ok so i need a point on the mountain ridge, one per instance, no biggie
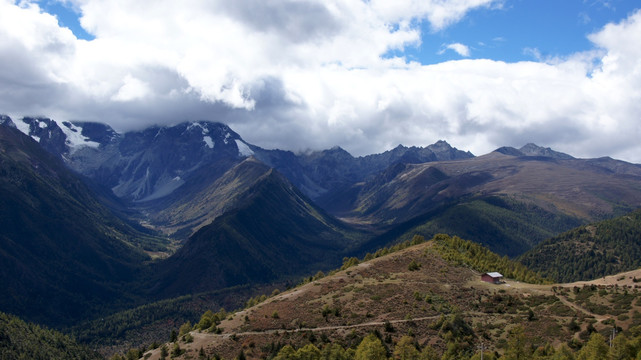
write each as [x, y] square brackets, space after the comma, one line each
[97, 151]
[58, 239]
[273, 233]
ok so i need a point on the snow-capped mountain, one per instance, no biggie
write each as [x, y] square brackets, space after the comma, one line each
[139, 165]
[152, 163]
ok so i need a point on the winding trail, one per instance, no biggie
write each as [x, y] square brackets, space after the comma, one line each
[582, 309]
[335, 327]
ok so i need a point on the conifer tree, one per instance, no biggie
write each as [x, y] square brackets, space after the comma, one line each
[286, 353]
[371, 348]
[595, 349]
[333, 352]
[405, 349]
[308, 352]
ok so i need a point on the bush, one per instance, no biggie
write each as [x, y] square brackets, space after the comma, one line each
[413, 266]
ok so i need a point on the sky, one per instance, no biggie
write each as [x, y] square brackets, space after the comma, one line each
[365, 75]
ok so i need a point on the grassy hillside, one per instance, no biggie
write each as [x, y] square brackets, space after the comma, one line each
[431, 293]
[504, 224]
[20, 340]
[506, 202]
[591, 251]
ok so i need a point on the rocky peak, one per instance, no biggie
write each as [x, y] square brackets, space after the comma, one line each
[46, 132]
[444, 151]
[508, 150]
[93, 132]
[6, 121]
[531, 149]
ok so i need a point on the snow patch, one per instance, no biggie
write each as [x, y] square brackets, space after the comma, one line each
[42, 124]
[163, 187]
[22, 126]
[75, 139]
[243, 149]
[37, 139]
[208, 140]
[227, 136]
[195, 125]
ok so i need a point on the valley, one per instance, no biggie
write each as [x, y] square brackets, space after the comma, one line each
[118, 239]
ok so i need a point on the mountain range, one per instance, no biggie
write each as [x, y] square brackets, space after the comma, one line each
[97, 221]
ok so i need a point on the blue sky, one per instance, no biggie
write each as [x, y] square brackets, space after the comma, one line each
[312, 74]
[521, 29]
[68, 16]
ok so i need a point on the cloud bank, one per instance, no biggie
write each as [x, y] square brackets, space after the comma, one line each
[298, 74]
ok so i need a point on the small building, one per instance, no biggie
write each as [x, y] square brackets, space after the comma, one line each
[492, 277]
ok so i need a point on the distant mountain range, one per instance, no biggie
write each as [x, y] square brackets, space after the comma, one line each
[240, 215]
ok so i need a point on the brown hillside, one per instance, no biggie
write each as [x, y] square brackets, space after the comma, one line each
[586, 189]
[383, 295]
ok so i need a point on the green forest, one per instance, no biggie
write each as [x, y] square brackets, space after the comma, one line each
[589, 252]
[518, 348]
[20, 340]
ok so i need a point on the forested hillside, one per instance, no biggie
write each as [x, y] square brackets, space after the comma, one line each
[21, 340]
[588, 252]
[63, 253]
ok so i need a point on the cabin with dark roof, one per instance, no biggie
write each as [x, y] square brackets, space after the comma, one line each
[492, 277]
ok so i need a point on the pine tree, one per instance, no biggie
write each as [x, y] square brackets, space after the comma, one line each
[620, 349]
[428, 353]
[286, 353]
[164, 352]
[308, 352]
[371, 348]
[595, 349]
[333, 352]
[405, 349]
[516, 349]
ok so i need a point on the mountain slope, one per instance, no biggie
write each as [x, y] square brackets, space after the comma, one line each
[591, 251]
[62, 252]
[20, 340]
[507, 225]
[509, 202]
[204, 198]
[431, 292]
[575, 187]
[274, 232]
[207, 194]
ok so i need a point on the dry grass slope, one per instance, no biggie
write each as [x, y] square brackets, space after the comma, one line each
[383, 295]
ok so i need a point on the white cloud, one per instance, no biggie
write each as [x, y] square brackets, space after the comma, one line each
[439, 13]
[132, 89]
[458, 48]
[313, 74]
